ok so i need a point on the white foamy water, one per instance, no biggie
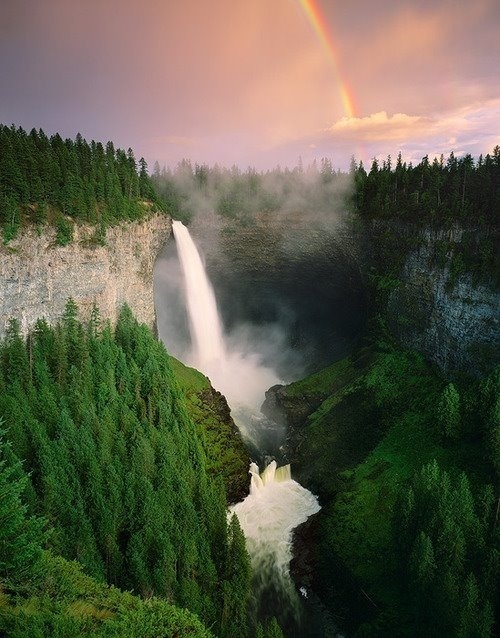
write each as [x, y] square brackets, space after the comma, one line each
[206, 327]
[275, 506]
[240, 376]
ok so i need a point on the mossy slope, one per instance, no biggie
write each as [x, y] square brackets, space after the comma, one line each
[226, 454]
[358, 450]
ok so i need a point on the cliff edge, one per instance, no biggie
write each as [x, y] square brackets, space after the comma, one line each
[38, 276]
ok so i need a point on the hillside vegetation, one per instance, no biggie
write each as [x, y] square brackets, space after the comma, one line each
[117, 472]
[406, 465]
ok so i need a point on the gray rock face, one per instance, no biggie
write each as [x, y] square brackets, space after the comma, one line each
[454, 324]
[37, 277]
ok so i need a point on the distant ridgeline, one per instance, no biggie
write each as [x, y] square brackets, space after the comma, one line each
[53, 180]
[100, 464]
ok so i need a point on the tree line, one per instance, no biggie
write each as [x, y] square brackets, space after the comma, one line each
[50, 179]
[438, 191]
[446, 554]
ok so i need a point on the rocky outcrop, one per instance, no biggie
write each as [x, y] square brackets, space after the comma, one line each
[37, 276]
[453, 321]
[290, 409]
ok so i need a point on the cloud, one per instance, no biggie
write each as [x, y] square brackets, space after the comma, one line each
[378, 126]
[473, 129]
[457, 126]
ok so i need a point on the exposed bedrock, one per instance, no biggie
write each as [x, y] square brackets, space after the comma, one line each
[37, 276]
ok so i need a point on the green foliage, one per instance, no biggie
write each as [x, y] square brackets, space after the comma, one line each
[116, 465]
[236, 591]
[222, 442]
[438, 193]
[42, 178]
[64, 602]
[64, 231]
[272, 630]
[449, 568]
[9, 217]
[21, 536]
[488, 408]
[406, 518]
[448, 412]
[239, 196]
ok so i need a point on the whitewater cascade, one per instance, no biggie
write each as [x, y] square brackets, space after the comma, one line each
[268, 515]
[275, 506]
[237, 373]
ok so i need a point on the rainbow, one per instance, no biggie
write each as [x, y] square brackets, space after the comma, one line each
[321, 28]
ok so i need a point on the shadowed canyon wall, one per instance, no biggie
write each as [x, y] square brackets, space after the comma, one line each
[448, 312]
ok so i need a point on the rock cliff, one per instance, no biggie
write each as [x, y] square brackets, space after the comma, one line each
[453, 320]
[37, 276]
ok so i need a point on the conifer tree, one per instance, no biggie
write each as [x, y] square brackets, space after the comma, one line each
[448, 413]
[236, 587]
[21, 536]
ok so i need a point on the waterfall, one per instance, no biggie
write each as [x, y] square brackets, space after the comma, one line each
[276, 503]
[268, 515]
[275, 506]
[237, 373]
[206, 327]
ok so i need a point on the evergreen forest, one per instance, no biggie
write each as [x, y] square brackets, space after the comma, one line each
[48, 179]
[105, 487]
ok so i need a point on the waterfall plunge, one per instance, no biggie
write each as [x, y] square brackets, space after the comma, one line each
[206, 328]
[238, 374]
[275, 506]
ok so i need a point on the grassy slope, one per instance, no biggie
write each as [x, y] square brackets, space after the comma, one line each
[226, 454]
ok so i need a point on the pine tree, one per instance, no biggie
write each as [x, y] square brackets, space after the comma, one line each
[448, 413]
[422, 562]
[236, 587]
[21, 536]
[273, 630]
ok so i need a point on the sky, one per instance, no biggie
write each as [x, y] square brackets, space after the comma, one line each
[256, 82]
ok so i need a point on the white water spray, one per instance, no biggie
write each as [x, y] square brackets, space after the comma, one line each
[240, 376]
[275, 506]
[269, 514]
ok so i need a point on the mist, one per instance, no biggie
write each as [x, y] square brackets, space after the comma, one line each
[318, 192]
[285, 284]
[233, 362]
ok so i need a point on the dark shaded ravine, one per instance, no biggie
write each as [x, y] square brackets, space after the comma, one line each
[301, 279]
